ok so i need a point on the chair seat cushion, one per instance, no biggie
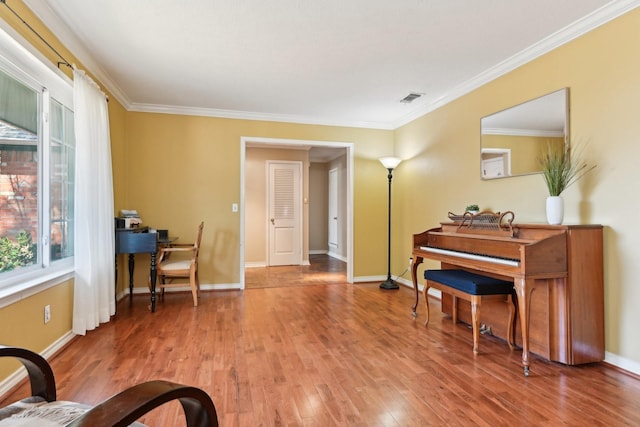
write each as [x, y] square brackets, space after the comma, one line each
[36, 411]
[176, 265]
[471, 283]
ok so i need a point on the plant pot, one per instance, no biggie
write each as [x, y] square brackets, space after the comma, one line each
[555, 210]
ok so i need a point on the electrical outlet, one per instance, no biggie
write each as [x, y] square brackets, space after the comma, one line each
[47, 313]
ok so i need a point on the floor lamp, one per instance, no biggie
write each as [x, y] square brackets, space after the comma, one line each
[390, 163]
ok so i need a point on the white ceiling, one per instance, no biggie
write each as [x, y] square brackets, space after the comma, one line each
[337, 62]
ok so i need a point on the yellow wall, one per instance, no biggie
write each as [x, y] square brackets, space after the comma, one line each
[441, 154]
[22, 323]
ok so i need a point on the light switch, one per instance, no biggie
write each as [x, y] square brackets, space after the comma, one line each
[234, 207]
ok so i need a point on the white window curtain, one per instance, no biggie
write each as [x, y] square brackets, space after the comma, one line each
[94, 291]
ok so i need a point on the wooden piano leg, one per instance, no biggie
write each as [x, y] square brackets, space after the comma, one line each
[414, 279]
[523, 289]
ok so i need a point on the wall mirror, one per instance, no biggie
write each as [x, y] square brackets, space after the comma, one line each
[513, 140]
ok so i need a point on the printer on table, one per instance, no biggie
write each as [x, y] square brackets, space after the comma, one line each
[129, 218]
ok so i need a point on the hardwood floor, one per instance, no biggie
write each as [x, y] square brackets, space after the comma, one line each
[333, 354]
[323, 269]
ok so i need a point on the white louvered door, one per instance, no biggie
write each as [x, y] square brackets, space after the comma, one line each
[285, 206]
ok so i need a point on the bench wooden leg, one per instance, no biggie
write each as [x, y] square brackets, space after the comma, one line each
[454, 313]
[475, 321]
[457, 291]
[425, 292]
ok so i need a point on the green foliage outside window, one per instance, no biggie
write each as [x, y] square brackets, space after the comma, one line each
[16, 253]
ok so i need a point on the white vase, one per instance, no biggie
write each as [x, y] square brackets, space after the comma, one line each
[555, 210]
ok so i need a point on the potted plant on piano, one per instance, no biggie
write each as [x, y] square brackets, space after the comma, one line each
[473, 209]
[561, 167]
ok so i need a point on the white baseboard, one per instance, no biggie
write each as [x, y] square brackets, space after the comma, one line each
[220, 287]
[15, 378]
[317, 251]
[400, 280]
[255, 264]
[264, 264]
[186, 288]
[622, 363]
[337, 256]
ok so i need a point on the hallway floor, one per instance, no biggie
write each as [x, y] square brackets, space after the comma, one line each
[322, 271]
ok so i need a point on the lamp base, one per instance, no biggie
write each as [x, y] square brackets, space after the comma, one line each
[389, 284]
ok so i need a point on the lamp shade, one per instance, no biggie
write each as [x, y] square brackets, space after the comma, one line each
[390, 162]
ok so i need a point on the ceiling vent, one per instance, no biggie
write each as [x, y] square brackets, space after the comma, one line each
[411, 97]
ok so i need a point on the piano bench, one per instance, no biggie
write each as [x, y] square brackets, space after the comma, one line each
[470, 287]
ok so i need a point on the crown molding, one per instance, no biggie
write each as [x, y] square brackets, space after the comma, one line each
[248, 115]
[582, 26]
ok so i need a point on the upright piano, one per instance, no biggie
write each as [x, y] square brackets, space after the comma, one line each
[557, 273]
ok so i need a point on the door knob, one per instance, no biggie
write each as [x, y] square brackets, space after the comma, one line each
[273, 221]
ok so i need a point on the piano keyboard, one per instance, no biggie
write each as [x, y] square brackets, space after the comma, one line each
[466, 255]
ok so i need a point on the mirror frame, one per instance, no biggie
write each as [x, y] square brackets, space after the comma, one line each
[534, 123]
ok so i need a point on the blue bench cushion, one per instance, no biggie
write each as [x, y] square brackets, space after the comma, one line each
[470, 283]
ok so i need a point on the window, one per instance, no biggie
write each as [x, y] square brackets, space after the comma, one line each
[61, 181]
[37, 152]
[18, 174]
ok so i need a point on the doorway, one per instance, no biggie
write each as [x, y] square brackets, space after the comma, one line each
[495, 162]
[344, 149]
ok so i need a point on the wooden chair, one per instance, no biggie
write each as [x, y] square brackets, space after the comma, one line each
[180, 261]
[123, 409]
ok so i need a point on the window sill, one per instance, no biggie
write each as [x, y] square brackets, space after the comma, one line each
[30, 286]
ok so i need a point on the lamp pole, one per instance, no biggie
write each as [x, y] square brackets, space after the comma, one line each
[390, 163]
